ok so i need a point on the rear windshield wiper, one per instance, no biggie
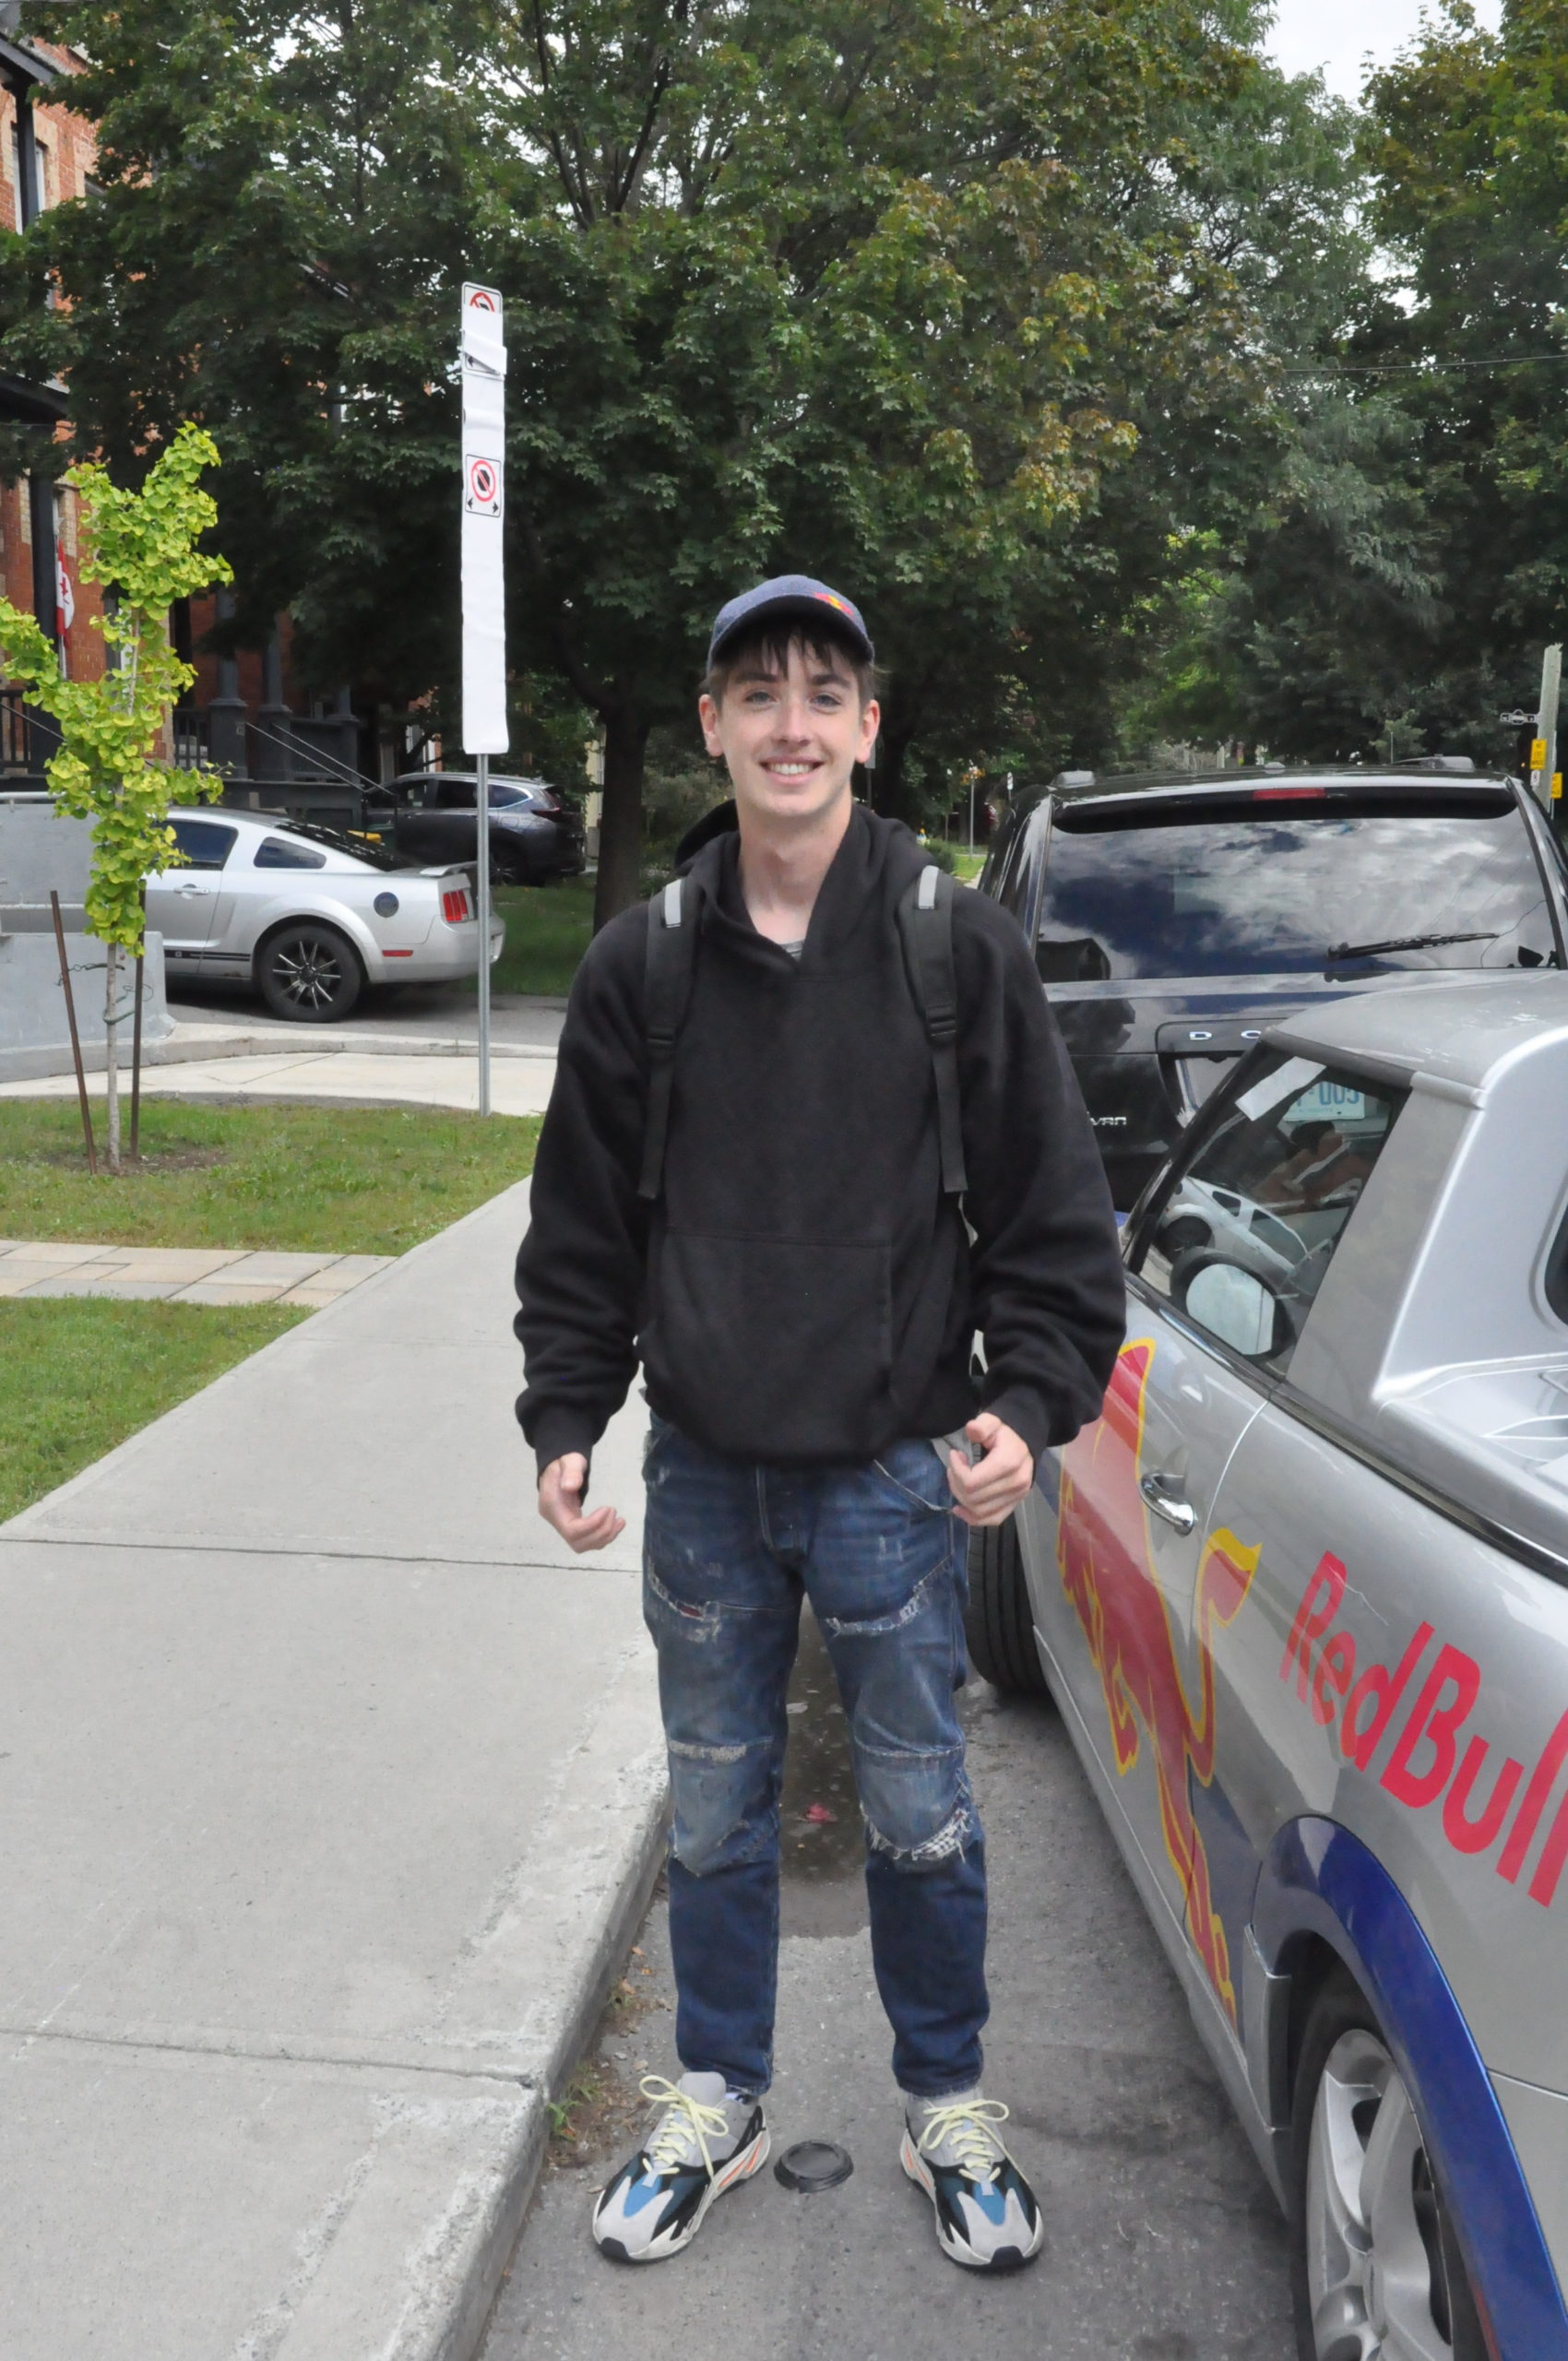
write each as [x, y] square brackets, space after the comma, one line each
[1338, 951]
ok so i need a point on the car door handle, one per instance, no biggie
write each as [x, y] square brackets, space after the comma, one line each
[1160, 1490]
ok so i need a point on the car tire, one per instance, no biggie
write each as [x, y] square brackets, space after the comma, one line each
[1357, 2253]
[1182, 1231]
[308, 973]
[999, 1621]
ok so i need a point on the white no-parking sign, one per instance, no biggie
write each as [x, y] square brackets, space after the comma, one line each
[484, 479]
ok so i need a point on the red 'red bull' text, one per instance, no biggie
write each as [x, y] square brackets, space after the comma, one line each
[1434, 1752]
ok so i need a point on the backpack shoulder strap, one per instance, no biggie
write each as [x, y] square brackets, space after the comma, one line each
[671, 937]
[925, 923]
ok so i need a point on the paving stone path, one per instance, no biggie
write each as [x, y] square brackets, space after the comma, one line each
[214, 1274]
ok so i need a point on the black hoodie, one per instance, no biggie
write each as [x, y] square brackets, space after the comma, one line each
[803, 1292]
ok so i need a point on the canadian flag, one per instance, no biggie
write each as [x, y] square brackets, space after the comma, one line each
[64, 596]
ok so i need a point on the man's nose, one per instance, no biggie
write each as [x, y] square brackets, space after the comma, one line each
[793, 718]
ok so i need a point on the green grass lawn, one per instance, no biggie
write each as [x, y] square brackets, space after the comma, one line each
[78, 1374]
[351, 1179]
[548, 929]
[968, 865]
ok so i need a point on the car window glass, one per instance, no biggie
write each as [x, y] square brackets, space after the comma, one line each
[204, 844]
[1275, 887]
[457, 795]
[287, 852]
[499, 797]
[1252, 1216]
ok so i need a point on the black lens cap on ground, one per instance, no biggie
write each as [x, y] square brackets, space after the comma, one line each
[812, 2165]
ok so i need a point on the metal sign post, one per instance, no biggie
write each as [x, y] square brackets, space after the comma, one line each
[484, 594]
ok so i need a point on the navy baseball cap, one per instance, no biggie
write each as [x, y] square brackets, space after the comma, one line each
[792, 595]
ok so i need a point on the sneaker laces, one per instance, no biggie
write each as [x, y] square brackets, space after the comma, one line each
[684, 2128]
[970, 2125]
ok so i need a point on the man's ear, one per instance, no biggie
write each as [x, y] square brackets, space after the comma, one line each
[708, 714]
[870, 722]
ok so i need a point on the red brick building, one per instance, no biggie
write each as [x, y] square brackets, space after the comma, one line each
[245, 713]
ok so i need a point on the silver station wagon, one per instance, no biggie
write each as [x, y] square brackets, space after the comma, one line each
[306, 917]
[1302, 1596]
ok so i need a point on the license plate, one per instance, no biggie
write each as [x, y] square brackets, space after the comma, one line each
[1335, 1101]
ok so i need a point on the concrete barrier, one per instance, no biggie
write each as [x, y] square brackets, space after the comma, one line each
[41, 852]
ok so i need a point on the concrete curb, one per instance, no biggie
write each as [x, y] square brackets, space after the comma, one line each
[445, 2300]
[311, 1041]
[460, 2303]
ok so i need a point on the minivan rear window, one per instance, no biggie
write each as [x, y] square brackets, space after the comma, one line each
[1295, 889]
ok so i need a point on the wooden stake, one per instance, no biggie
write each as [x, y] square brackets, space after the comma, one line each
[136, 1058]
[75, 1037]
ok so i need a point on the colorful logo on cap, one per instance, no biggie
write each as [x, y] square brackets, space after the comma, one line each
[831, 599]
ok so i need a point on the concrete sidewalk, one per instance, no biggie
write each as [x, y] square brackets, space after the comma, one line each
[519, 1085]
[331, 1785]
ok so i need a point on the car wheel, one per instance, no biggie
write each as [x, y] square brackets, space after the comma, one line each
[309, 973]
[999, 1621]
[1376, 2274]
[1179, 1233]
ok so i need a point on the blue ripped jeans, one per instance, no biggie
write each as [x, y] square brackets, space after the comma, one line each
[730, 1551]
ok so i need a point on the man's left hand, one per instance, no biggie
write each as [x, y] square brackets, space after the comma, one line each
[988, 1492]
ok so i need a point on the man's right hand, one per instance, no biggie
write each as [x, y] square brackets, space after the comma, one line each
[561, 1504]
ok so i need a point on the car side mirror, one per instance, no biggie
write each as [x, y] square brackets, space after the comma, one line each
[1235, 1305]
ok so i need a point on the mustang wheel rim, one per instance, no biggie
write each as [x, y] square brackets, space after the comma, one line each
[308, 974]
[1375, 2274]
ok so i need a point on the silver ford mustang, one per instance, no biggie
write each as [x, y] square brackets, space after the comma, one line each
[308, 917]
[1301, 1596]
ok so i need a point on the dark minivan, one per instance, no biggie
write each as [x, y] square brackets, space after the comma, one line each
[1174, 919]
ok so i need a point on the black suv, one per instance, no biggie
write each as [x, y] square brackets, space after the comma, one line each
[1174, 918]
[535, 834]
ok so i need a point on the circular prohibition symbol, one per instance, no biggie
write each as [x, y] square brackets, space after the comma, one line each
[482, 489]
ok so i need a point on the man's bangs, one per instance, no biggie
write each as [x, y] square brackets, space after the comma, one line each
[766, 649]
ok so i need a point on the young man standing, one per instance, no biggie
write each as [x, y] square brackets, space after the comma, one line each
[792, 1265]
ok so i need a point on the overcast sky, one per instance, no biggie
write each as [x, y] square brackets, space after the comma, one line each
[1339, 34]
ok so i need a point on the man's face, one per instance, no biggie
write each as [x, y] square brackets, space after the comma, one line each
[790, 739]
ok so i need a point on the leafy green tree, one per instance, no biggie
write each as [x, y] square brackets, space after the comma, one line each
[142, 546]
[285, 204]
[1468, 146]
[1394, 593]
[927, 298]
[968, 304]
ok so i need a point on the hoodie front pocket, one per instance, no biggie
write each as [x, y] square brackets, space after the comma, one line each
[774, 1346]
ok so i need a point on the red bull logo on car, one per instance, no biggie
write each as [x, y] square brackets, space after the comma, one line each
[1107, 1571]
[1437, 1752]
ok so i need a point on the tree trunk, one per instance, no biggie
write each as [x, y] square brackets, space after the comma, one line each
[892, 793]
[621, 816]
[112, 1051]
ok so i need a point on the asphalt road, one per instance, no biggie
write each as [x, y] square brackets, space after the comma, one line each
[1164, 2243]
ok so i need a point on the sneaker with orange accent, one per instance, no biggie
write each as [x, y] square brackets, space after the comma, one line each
[704, 2140]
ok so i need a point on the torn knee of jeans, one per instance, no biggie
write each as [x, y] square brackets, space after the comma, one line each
[704, 1839]
[842, 1628]
[956, 1834]
[687, 1752]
